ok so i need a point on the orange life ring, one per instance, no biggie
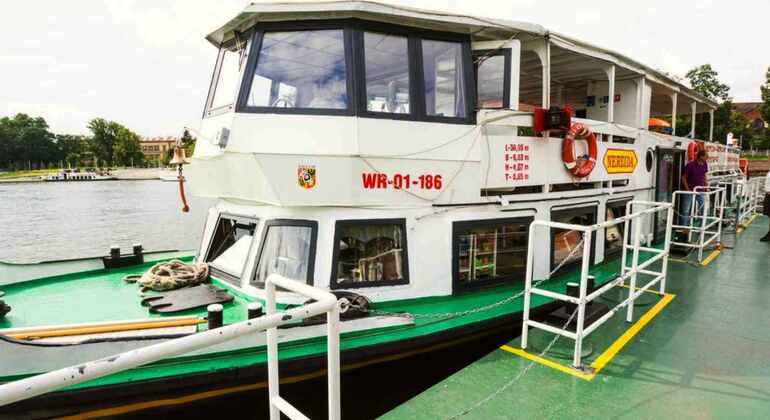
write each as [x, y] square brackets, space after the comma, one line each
[580, 167]
[693, 148]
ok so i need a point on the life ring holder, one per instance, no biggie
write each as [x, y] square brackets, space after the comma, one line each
[582, 166]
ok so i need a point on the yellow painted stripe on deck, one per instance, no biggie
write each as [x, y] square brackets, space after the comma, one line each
[711, 257]
[742, 228]
[608, 354]
[545, 362]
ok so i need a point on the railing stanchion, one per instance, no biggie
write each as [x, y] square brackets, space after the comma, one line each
[272, 354]
[583, 291]
[333, 355]
[634, 270]
[528, 284]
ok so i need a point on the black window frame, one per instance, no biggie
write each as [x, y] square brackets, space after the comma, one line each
[253, 62]
[339, 224]
[356, 79]
[221, 274]
[507, 67]
[312, 224]
[460, 227]
[574, 209]
[612, 204]
[208, 111]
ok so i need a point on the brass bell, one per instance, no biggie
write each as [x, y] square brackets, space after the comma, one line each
[179, 157]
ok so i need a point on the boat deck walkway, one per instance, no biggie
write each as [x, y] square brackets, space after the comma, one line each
[701, 351]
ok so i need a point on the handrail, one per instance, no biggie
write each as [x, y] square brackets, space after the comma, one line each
[325, 302]
[627, 272]
[705, 234]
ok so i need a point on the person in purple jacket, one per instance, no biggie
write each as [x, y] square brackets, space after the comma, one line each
[694, 175]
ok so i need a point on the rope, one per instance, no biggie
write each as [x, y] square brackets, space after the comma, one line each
[171, 275]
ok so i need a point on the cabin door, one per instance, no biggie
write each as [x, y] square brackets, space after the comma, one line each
[668, 177]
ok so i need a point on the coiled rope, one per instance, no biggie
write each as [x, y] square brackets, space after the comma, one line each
[171, 275]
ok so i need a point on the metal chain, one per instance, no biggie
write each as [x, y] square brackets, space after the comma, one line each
[509, 299]
[516, 378]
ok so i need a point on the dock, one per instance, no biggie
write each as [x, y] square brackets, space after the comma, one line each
[699, 351]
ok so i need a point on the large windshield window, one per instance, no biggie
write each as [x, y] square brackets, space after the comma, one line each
[230, 244]
[387, 73]
[300, 69]
[443, 70]
[227, 78]
[287, 249]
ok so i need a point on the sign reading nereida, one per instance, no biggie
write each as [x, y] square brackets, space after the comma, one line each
[620, 161]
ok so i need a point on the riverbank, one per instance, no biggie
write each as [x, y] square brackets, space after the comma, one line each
[122, 174]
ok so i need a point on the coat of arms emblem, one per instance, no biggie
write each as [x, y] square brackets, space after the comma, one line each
[306, 176]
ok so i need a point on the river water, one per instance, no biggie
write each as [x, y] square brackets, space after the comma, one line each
[43, 221]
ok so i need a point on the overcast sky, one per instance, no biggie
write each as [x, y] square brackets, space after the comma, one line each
[146, 64]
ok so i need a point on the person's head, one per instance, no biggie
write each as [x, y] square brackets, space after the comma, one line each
[701, 156]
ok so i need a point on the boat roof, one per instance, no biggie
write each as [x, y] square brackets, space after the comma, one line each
[479, 28]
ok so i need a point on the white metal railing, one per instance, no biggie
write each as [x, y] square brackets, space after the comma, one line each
[702, 219]
[325, 302]
[749, 197]
[629, 272]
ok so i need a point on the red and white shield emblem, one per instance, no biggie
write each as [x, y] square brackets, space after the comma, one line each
[306, 176]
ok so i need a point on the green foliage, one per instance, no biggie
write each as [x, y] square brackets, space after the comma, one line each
[114, 144]
[705, 81]
[765, 89]
[26, 142]
[188, 141]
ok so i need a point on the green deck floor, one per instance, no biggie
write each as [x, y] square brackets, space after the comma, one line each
[705, 355]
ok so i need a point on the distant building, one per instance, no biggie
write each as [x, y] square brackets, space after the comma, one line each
[156, 148]
[752, 112]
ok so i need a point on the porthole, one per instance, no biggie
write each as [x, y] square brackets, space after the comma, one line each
[649, 160]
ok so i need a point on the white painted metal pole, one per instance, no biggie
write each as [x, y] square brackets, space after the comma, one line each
[333, 362]
[694, 108]
[674, 99]
[634, 270]
[711, 125]
[666, 248]
[611, 98]
[704, 221]
[587, 244]
[547, 74]
[528, 284]
[272, 354]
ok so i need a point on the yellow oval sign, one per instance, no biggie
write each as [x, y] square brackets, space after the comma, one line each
[620, 161]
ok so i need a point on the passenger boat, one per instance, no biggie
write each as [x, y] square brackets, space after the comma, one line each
[393, 156]
[69, 175]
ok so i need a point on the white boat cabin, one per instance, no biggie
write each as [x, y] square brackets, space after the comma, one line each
[390, 150]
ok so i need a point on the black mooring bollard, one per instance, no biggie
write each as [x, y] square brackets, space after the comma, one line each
[254, 310]
[215, 318]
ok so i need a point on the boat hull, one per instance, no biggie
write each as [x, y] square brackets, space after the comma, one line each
[176, 392]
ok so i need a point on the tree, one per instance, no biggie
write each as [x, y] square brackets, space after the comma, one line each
[25, 141]
[73, 149]
[188, 141]
[765, 89]
[126, 150]
[114, 144]
[705, 81]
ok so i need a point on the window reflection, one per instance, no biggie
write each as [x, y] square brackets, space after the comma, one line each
[301, 69]
[567, 244]
[491, 79]
[227, 79]
[286, 251]
[491, 252]
[386, 62]
[443, 70]
[370, 254]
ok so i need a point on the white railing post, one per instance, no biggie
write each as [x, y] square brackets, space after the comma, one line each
[634, 269]
[333, 362]
[272, 354]
[528, 284]
[667, 247]
[587, 234]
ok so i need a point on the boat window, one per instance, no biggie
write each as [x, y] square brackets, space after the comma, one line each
[300, 69]
[490, 81]
[489, 251]
[288, 249]
[229, 246]
[567, 245]
[370, 253]
[613, 236]
[227, 78]
[386, 65]
[442, 65]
